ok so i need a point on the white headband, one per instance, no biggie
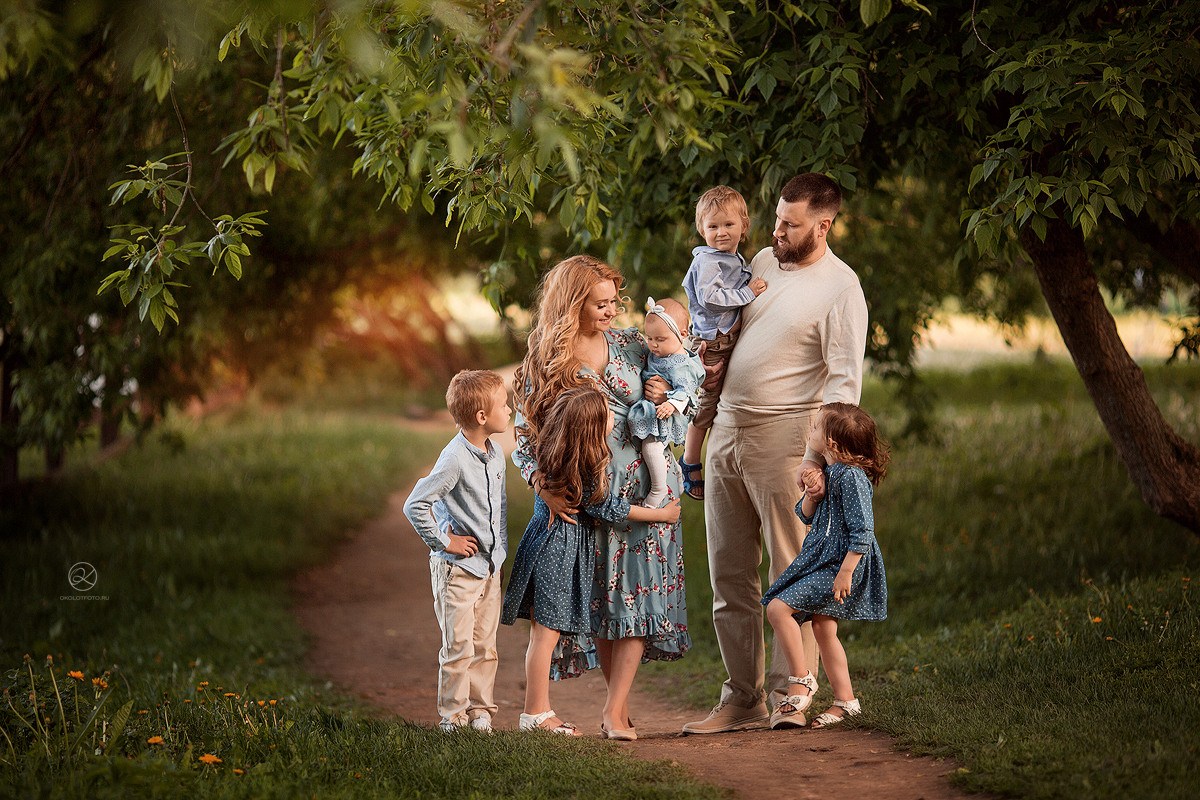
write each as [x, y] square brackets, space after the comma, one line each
[652, 307]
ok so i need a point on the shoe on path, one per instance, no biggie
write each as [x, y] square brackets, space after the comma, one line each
[729, 717]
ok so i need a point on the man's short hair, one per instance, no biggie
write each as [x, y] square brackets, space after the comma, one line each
[471, 391]
[822, 194]
[721, 197]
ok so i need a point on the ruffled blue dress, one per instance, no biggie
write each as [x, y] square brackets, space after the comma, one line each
[685, 373]
[553, 575]
[843, 521]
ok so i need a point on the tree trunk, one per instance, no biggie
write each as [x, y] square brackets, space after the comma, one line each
[10, 449]
[1165, 467]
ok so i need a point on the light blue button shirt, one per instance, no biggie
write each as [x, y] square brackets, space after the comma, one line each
[464, 490]
[717, 286]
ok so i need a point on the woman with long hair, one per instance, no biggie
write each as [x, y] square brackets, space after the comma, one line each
[638, 607]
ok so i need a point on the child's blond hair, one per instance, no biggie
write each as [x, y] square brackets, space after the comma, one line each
[721, 197]
[469, 392]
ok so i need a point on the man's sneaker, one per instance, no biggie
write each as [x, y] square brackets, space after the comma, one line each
[728, 717]
[450, 727]
[482, 723]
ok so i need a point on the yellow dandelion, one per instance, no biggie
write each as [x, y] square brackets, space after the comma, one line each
[273, 702]
[210, 759]
[154, 740]
[188, 700]
[230, 694]
[262, 703]
[1008, 624]
[1108, 638]
[142, 712]
[100, 682]
[1097, 619]
[202, 684]
[237, 771]
[76, 674]
[1029, 638]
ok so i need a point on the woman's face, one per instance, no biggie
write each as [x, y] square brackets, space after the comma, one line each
[599, 308]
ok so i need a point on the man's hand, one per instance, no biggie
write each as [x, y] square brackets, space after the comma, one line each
[655, 390]
[758, 286]
[812, 480]
[461, 545]
[714, 374]
[664, 410]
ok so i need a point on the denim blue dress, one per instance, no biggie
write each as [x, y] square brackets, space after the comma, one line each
[553, 574]
[843, 522]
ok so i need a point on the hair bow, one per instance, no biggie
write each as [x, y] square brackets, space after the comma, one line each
[652, 307]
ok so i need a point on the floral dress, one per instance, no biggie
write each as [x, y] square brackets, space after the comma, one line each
[639, 587]
[843, 521]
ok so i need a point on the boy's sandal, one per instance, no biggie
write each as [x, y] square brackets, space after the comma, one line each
[536, 722]
[851, 708]
[691, 484]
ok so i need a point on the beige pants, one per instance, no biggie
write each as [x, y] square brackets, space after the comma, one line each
[468, 612]
[750, 500]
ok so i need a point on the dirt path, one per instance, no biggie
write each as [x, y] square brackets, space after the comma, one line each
[370, 615]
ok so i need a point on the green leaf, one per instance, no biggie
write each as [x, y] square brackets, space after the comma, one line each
[873, 11]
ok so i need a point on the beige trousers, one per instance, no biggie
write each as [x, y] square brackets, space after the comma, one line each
[750, 500]
[468, 612]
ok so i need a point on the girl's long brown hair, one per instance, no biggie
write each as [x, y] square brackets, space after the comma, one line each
[854, 439]
[550, 366]
[572, 451]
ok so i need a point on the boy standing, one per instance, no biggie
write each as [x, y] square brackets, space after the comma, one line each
[718, 283]
[460, 509]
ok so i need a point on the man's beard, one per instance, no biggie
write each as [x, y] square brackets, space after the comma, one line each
[794, 254]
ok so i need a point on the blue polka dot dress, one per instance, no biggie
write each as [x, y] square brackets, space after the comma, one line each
[843, 522]
[553, 575]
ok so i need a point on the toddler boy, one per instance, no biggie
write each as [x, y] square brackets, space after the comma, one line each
[460, 509]
[718, 283]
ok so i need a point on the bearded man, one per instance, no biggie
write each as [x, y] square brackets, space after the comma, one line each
[801, 346]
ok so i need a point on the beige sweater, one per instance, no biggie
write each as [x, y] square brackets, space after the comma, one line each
[802, 343]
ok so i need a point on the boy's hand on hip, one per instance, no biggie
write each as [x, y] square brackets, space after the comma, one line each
[461, 545]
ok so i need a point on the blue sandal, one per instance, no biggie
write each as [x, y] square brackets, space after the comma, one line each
[692, 484]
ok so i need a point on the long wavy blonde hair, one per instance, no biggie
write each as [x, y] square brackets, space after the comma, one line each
[550, 366]
[572, 452]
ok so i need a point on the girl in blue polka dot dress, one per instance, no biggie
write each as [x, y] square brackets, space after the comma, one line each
[554, 569]
[839, 572]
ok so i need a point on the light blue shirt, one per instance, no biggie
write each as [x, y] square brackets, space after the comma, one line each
[717, 286]
[464, 490]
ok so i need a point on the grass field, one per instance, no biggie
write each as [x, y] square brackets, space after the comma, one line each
[1042, 627]
[187, 652]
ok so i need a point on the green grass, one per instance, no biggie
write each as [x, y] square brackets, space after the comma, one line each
[1041, 628]
[195, 537]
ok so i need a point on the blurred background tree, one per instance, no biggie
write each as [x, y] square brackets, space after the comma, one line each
[1018, 156]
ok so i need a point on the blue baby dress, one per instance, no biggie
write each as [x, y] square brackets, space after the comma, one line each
[843, 521]
[685, 373]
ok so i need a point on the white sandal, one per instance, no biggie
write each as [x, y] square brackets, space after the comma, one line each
[851, 708]
[533, 722]
[789, 712]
